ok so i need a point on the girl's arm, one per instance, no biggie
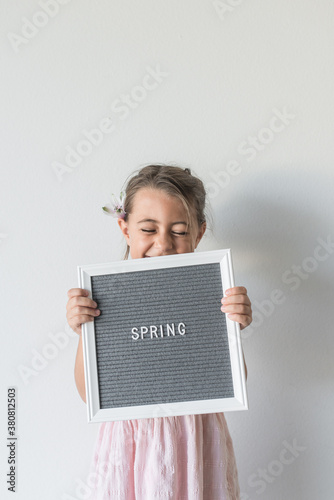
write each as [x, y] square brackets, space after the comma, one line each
[79, 373]
[80, 309]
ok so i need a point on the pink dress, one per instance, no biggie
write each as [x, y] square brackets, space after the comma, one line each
[188, 457]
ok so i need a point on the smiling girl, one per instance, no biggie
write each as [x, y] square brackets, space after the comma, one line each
[175, 457]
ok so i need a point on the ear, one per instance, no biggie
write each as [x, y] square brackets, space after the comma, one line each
[201, 231]
[124, 228]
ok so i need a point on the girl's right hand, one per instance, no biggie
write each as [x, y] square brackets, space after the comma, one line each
[80, 309]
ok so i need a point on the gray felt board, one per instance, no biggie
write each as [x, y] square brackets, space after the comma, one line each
[167, 369]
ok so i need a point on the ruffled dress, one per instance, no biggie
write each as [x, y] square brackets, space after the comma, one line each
[188, 457]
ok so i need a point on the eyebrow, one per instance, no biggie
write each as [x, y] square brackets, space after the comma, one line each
[152, 220]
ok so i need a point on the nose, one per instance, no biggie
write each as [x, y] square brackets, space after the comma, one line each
[164, 243]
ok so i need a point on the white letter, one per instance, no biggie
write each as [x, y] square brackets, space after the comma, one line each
[157, 73]
[82, 491]
[222, 8]
[95, 136]
[120, 109]
[269, 134]
[172, 329]
[274, 128]
[319, 257]
[293, 279]
[313, 263]
[284, 460]
[327, 245]
[233, 167]
[72, 157]
[141, 96]
[16, 40]
[106, 126]
[277, 296]
[259, 482]
[256, 314]
[39, 358]
[183, 331]
[222, 178]
[29, 34]
[60, 339]
[54, 351]
[143, 330]
[285, 117]
[41, 15]
[83, 152]
[294, 448]
[241, 150]
[146, 85]
[26, 372]
[266, 307]
[216, 190]
[278, 464]
[46, 4]
[135, 333]
[155, 331]
[59, 169]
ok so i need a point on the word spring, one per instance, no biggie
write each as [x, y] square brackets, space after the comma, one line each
[152, 330]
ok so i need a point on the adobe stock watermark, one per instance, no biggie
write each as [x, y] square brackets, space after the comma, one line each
[250, 148]
[226, 7]
[121, 108]
[166, 409]
[101, 473]
[294, 276]
[298, 273]
[84, 490]
[30, 29]
[264, 476]
[41, 358]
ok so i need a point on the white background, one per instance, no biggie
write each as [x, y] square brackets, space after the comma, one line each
[226, 71]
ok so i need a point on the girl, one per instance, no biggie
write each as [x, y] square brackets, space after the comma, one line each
[176, 457]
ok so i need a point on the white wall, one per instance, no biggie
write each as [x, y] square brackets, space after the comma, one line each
[227, 72]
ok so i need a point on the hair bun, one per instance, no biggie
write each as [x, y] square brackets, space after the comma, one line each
[187, 170]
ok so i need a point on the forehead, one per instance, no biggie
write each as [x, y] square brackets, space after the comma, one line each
[158, 203]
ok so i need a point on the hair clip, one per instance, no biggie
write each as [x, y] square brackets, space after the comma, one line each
[116, 208]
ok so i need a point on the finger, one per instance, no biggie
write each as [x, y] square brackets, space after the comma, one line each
[236, 299]
[78, 300]
[242, 319]
[236, 290]
[79, 311]
[79, 320]
[236, 308]
[77, 291]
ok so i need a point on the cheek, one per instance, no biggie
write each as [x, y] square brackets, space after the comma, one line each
[185, 245]
[141, 244]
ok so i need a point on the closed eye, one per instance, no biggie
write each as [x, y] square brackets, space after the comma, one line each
[152, 230]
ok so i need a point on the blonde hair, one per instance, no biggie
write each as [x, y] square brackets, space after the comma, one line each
[174, 181]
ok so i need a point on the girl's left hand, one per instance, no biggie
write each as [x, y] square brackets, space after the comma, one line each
[237, 306]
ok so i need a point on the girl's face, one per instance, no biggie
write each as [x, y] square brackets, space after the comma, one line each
[157, 226]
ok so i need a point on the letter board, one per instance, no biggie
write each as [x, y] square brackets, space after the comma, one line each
[161, 345]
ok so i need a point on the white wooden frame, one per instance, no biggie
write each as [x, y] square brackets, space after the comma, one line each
[239, 402]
